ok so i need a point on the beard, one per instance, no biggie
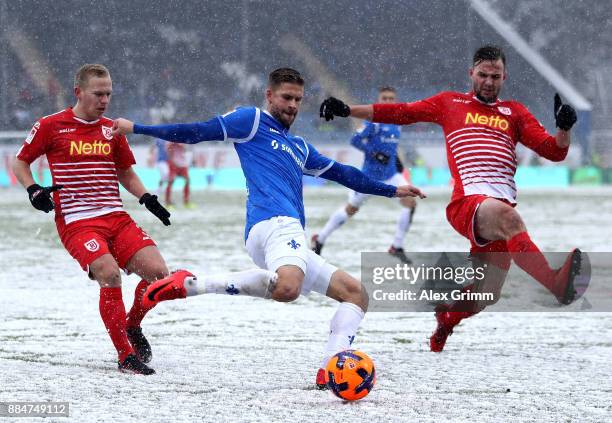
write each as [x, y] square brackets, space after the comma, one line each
[491, 98]
[284, 119]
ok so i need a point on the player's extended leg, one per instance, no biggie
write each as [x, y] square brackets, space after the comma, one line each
[404, 221]
[343, 327]
[186, 192]
[403, 225]
[337, 219]
[149, 264]
[181, 284]
[171, 178]
[495, 260]
[163, 177]
[496, 220]
[112, 310]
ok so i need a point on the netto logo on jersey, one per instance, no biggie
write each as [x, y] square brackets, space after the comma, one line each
[493, 121]
[90, 148]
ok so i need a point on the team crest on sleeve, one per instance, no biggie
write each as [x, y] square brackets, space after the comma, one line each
[33, 132]
[92, 245]
[107, 132]
[504, 110]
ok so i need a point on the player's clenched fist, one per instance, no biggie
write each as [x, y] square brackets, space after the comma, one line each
[333, 107]
[409, 191]
[565, 115]
[41, 197]
[122, 126]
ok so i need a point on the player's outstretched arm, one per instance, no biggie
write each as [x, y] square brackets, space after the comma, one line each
[333, 107]
[355, 179]
[428, 110]
[184, 133]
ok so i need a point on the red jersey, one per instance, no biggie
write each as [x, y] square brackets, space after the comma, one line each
[177, 154]
[83, 157]
[481, 139]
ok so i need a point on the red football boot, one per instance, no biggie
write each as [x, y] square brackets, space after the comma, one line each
[168, 288]
[447, 320]
[320, 382]
[563, 287]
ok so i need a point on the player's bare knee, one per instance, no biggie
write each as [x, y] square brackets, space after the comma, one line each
[108, 277]
[510, 223]
[285, 291]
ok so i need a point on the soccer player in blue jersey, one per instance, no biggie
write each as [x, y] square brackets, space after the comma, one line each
[273, 161]
[379, 145]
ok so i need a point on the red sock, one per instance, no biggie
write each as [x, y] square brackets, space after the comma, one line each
[529, 258]
[112, 311]
[138, 310]
[186, 192]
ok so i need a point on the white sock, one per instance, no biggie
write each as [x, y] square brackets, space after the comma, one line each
[403, 224]
[335, 221]
[342, 329]
[253, 283]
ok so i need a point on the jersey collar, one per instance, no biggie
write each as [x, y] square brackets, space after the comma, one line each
[278, 124]
[86, 122]
[495, 103]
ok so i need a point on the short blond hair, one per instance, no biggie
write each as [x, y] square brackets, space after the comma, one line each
[87, 71]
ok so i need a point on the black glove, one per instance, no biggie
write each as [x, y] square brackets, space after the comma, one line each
[151, 203]
[41, 197]
[565, 115]
[333, 107]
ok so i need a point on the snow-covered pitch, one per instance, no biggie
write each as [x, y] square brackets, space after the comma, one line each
[221, 358]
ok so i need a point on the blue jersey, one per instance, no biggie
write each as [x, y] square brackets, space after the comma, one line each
[162, 152]
[273, 161]
[378, 142]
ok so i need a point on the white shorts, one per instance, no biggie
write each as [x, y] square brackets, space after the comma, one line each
[281, 241]
[356, 199]
[162, 167]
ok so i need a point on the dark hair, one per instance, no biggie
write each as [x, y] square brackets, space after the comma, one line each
[280, 75]
[386, 88]
[489, 52]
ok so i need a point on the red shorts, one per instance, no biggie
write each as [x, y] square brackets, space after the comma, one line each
[182, 171]
[461, 214]
[115, 233]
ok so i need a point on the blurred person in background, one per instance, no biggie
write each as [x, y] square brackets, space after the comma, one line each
[379, 143]
[178, 166]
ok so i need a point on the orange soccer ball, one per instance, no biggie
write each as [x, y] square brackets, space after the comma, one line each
[350, 375]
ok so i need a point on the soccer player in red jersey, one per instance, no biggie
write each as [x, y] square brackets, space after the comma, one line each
[178, 166]
[481, 134]
[87, 164]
